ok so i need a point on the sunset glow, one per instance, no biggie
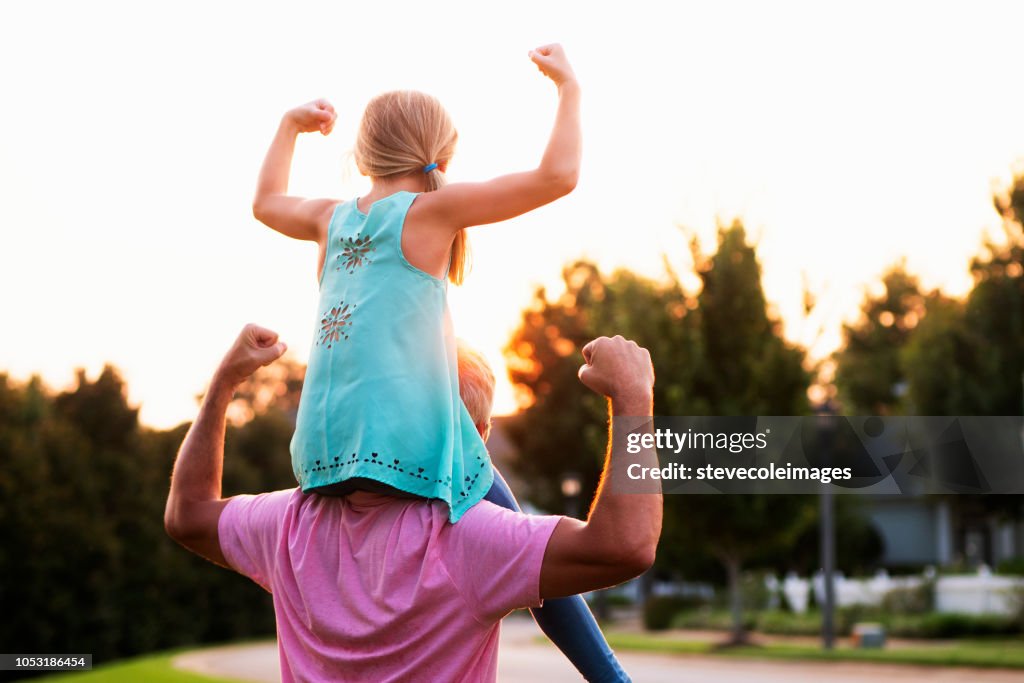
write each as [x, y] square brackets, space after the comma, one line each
[845, 136]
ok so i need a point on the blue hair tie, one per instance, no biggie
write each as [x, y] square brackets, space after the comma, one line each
[429, 167]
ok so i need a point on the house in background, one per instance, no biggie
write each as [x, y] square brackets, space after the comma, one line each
[942, 530]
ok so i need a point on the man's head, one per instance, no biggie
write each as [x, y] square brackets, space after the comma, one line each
[476, 386]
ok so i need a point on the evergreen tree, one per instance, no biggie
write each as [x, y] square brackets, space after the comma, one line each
[719, 353]
[869, 373]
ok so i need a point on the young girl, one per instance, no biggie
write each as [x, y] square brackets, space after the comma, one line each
[380, 406]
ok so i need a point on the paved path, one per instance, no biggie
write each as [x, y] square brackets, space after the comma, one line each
[522, 660]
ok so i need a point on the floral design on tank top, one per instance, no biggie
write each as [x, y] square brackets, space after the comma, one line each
[334, 324]
[355, 252]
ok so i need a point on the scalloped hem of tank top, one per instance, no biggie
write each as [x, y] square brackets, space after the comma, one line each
[454, 512]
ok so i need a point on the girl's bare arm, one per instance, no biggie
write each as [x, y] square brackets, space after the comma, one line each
[297, 217]
[461, 205]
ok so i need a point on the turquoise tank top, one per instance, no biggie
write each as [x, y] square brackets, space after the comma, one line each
[381, 395]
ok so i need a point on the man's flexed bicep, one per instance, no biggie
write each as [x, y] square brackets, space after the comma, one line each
[194, 504]
[197, 529]
[620, 536]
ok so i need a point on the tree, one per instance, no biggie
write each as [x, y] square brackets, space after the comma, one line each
[929, 354]
[718, 353]
[746, 368]
[994, 309]
[746, 365]
[869, 374]
[86, 563]
[991, 336]
[561, 429]
[941, 362]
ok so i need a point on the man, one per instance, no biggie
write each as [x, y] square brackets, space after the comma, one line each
[377, 588]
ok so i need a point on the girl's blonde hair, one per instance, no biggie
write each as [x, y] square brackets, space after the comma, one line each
[403, 132]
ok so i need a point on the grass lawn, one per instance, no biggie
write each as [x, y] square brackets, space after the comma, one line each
[1002, 653]
[150, 668]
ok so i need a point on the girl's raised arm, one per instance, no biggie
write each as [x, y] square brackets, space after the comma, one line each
[461, 205]
[304, 219]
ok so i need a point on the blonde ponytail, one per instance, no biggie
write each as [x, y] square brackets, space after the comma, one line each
[403, 132]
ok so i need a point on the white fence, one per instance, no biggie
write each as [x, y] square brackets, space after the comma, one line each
[981, 593]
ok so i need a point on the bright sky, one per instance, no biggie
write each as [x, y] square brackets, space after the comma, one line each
[844, 134]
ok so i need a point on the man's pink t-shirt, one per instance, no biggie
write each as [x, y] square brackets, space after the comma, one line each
[375, 588]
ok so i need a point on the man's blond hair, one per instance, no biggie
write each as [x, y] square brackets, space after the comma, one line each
[476, 386]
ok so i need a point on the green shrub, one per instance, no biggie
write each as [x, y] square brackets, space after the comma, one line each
[931, 625]
[907, 570]
[913, 600]
[659, 610]
[1013, 567]
[756, 595]
[709, 619]
[904, 625]
[960, 625]
[618, 600]
[1017, 601]
[789, 623]
[953, 625]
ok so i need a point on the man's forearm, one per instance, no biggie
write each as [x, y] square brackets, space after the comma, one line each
[194, 505]
[627, 522]
[199, 466]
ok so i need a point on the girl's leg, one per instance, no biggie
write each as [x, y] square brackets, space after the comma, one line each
[568, 621]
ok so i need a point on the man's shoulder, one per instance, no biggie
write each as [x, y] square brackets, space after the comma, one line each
[489, 521]
[485, 509]
[494, 558]
[249, 529]
[281, 497]
[248, 505]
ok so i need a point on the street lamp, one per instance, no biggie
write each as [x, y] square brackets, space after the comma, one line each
[571, 487]
[826, 422]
